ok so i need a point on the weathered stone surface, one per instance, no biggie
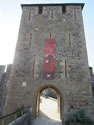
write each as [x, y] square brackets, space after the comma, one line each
[92, 84]
[24, 120]
[4, 79]
[73, 86]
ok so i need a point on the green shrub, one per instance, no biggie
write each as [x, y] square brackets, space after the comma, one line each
[80, 117]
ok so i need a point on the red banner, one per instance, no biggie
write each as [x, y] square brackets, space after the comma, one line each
[49, 46]
[49, 60]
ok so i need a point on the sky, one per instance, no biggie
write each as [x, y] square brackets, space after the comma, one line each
[10, 16]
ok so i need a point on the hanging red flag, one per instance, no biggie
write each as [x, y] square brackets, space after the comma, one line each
[49, 59]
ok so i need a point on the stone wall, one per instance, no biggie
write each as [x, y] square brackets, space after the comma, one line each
[92, 84]
[92, 79]
[72, 78]
[24, 120]
[4, 79]
[2, 86]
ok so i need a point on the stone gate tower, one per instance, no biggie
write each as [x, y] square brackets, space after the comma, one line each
[50, 53]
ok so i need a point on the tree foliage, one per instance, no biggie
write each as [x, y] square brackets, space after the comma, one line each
[81, 117]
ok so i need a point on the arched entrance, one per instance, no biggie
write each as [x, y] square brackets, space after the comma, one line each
[48, 102]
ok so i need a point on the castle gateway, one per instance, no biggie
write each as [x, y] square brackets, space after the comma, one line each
[50, 53]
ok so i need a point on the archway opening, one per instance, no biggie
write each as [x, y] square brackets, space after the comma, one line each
[48, 103]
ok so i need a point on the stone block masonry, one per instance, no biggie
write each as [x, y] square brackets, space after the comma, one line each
[64, 23]
[4, 79]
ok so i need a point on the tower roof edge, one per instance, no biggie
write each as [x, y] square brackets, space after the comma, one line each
[55, 4]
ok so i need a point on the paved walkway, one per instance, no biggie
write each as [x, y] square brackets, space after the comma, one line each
[48, 113]
[45, 121]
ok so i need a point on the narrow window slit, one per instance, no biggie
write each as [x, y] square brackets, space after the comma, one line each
[50, 35]
[52, 15]
[63, 9]
[29, 14]
[65, 69]
[69, 40]
[30, 39]
[75, 13]
[33, 68]
[40, 10]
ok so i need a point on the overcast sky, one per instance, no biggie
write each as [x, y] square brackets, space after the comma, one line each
[10, 15]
